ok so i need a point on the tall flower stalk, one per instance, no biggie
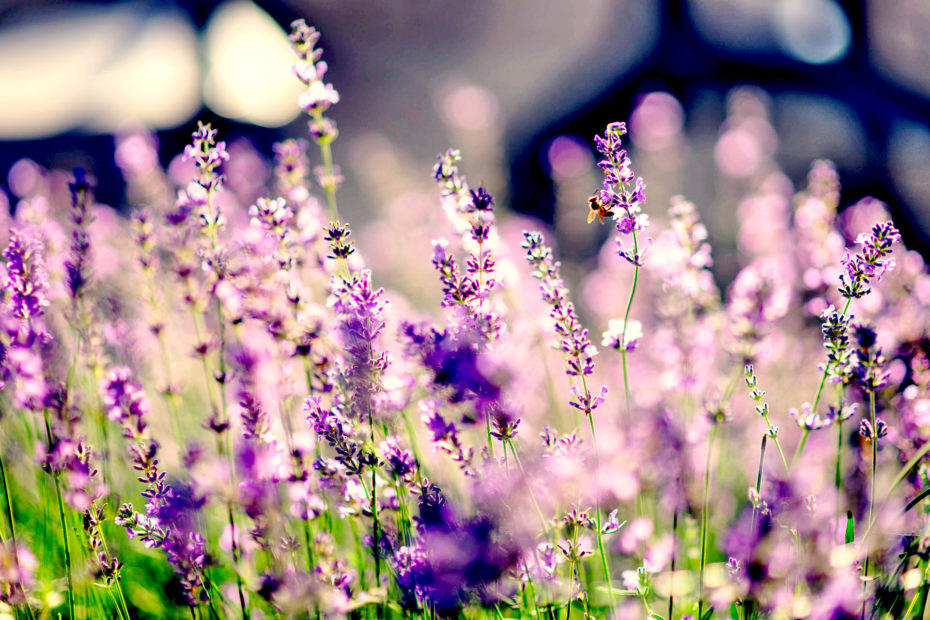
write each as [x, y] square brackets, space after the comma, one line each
[873, 261]
[315, 101]
[578, 351]
[623, 196]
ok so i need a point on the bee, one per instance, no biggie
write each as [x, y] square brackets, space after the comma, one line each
[598, 209]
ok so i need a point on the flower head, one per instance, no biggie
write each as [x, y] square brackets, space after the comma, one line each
[26, 278]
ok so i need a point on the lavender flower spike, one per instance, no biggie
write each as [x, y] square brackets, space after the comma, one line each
[621, 195]
[873, 261]
[27, 279]
[578, 350]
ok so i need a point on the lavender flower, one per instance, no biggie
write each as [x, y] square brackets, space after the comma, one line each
[574, 338]
[310, 70]
[292, 169]
[76, 264]
[444, 435]
[360, 309]
[758, 298]
[621, 195]
[26, 278]
[835, 329]
[400, 461]
[17, 566]
[337, 235]
[456, 557]
[868, 367]
[578, 350]
[457, 367]
[169, 521]
[471, 212]
[315, 101]
[872, 261]
[808, 420]
[208, 155]
[273, 217]
[866, 430]
[125, 402]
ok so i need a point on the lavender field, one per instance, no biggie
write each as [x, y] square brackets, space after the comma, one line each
[214, 405]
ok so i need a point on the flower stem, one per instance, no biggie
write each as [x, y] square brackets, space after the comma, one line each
[704, 511]
[329, 172]
[597, 514]
[823, 381]
[838, 476]
[671, 576]
[759, 478]
[64, 538]
[626, 319]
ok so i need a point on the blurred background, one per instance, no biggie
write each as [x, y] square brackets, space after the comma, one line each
[718, 94]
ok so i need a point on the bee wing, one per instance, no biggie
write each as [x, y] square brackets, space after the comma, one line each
[591, 215]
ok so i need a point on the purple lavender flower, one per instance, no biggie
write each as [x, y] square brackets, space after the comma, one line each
[458, 372]
[360, 309]
[444, 435]
[76, 263]
[208, 155]
[869, 365]
[310, 70]
[26, 278]
[337, 235]
[17, 566]
[618, 330]
[621, 195]
[125, 402]
[292, 168]
[273, 217]
[758, 298]
[835, 329]
[578, 350]
[400, 461]
[315, 101]
[331, 426]
[256, 423]
[472, 215]
[455, 557]
[872, 261]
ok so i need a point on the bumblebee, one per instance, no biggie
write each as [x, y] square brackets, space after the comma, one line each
[598, 209]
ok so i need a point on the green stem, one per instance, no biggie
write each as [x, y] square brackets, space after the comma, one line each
[626, 319]
[874, 441]
[64, 537]
[9, 501]
[64, 526]
[597, 513]
[12, 521]
[759, 478]
[671, 575]
[838, 475]
[326, 151]
[233, 534]
[781, 453]
[705, 509]
[823, 381]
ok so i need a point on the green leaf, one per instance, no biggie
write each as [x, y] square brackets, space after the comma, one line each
[850, 527]
[657, 617]
[708, 614]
